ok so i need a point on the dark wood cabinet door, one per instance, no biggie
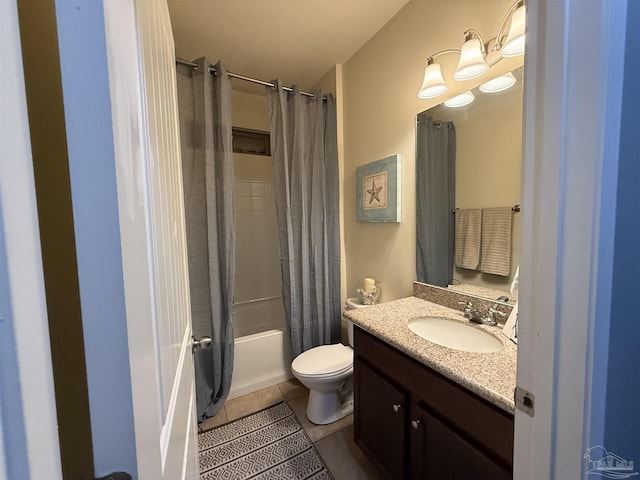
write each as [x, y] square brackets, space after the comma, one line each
[379, 420]
[440, 453]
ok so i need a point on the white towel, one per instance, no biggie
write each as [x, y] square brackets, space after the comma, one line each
[468, 227]
[496, 241]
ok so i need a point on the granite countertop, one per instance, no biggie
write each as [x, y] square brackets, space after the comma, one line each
[490, 375]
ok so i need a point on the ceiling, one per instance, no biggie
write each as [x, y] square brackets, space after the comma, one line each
[297, 41]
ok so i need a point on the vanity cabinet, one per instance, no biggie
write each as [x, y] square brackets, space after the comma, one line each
[380, 425]
[413, 423]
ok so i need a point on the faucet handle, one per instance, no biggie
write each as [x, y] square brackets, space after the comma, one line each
[494, 310]
[468, 307]
[490, 318]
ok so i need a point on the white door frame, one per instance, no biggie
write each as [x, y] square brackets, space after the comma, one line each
[29, 433]
[573, 85]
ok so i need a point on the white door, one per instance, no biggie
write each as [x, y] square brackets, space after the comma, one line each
[141, 61]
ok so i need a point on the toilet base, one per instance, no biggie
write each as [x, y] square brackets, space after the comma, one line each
[328, 407]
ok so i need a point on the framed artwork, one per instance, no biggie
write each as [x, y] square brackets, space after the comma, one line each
[378, 190]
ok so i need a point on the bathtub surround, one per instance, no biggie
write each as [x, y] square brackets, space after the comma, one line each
[258, 289]
[436, 199]
[258, 312]
[305, 162]
[208, 176]
[273, 367]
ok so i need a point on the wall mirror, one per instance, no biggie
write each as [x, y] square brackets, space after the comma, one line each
[484, 171]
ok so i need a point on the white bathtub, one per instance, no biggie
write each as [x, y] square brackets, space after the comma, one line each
[260, 360]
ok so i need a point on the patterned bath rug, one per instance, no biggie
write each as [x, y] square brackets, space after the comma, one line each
[269, 444]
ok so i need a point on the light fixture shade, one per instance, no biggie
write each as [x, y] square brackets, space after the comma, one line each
[514, 44]
[433, 83]
[498, 84]
[472, 63]
[461, 100]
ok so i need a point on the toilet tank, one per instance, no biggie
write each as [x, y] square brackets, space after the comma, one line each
[351, 304]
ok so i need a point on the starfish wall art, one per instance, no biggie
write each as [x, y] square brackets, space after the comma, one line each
[378, 190]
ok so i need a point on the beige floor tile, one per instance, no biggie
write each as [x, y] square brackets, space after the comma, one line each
[343, 457]
[292, 389]
[316, 432]
[241, 406]
[218, 419]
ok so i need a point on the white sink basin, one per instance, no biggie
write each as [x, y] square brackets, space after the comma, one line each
[455, 335]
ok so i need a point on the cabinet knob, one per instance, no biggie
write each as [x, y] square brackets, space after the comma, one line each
[396, 407]
[415, 424]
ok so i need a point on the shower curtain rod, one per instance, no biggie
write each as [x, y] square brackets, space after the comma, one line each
[246, 79]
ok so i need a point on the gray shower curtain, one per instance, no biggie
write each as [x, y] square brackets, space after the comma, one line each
[435, 200]
[207, 169]
[305, 166]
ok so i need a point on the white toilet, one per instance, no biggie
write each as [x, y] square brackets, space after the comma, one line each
[326, 371]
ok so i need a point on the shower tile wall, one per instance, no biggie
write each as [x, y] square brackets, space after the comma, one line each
[258, 287]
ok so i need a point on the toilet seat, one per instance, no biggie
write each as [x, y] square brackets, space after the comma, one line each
[324, 361]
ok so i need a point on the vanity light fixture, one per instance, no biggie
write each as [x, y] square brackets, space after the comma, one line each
[433, 83]
[514, 44]
[472, 63]
[460, 100]
[475, 56]
[498, 84]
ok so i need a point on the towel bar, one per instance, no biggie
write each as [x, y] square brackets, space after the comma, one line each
[515, 208]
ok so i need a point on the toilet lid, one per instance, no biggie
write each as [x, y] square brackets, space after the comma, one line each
[323, 360]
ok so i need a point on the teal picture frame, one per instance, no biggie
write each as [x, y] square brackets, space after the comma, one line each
[378, 191]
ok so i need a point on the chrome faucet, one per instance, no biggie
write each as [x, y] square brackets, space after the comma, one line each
[474, 315]
[490, 318]
[471, 312]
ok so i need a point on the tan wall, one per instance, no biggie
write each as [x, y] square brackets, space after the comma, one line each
[333, 82]
[250, 111]
[329, 82]
[380, 83]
